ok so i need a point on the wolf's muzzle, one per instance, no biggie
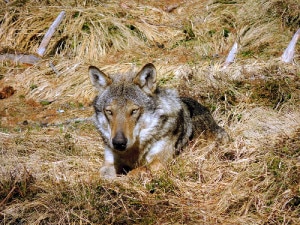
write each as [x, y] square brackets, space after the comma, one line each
[119, 141]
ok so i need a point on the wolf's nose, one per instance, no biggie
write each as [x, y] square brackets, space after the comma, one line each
[119, 141]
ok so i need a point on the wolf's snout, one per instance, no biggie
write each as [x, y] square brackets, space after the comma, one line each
[119, 141]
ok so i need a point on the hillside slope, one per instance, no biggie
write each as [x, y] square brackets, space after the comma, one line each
[50, 151]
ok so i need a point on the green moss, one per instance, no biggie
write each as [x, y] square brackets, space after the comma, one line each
[45, 102]
[33, 86]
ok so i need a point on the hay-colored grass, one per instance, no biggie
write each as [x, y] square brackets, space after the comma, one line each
[50, 152]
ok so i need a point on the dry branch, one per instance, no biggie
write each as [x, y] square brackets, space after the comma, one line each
[10, 194]
[289, 52]
[20, 58]
[171, 8]
[42, 48]
[54, 69]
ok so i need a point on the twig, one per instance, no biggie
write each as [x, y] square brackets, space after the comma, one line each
[70, 121]
[171, 8]
[42, 48]
[8, 196]
[54, 69]
[288, 54]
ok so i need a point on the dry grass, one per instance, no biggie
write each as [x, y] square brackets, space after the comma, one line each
[50, 151]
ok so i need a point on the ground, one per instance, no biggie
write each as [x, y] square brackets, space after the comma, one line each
[50, 151]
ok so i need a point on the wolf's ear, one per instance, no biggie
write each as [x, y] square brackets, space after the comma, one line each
[99, 79]
[146, 78]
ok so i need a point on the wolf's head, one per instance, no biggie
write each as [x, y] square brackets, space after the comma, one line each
[123, 106]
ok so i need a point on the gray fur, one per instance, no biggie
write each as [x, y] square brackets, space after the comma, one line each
[165, 124]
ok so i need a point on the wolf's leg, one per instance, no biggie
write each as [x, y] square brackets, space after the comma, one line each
[108, 170]
[156, 158]
[147, 170]
[160, 153]
[138, 172]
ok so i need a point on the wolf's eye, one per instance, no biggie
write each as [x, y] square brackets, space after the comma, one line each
[135, 111]
[108, 112]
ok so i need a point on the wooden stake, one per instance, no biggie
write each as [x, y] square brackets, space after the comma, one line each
[231, 55]
[288, 54]
[42, 48]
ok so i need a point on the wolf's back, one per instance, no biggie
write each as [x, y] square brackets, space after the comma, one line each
[203, 122]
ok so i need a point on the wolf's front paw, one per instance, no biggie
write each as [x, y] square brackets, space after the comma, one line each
[139, 172]
[108, 172]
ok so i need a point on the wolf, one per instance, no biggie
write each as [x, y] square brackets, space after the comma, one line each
[143, 125]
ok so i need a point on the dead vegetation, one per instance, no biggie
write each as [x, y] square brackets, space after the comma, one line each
[50, 152]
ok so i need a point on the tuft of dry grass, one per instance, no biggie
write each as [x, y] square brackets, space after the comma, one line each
[50, 152]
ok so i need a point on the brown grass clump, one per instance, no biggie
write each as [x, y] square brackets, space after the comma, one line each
[50, 152]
